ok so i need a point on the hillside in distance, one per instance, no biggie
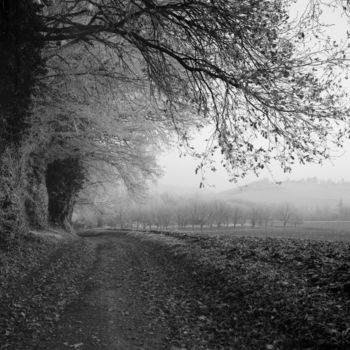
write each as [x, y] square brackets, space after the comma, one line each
[180, 191]
[309, 192]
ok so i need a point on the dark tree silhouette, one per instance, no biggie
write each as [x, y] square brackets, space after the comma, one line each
[64, 179]
[21, 65]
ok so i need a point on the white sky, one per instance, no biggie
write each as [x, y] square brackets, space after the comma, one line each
[180, 172]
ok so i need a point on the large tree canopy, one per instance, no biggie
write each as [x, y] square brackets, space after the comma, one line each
[243, 66]
[122, 75]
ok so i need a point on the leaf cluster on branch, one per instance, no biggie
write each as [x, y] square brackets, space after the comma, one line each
[241, 66]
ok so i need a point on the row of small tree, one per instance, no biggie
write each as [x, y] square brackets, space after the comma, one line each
[340, 211]
[194, 213]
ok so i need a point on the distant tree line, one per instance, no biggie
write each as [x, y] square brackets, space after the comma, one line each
[193, 213]
[340, 211]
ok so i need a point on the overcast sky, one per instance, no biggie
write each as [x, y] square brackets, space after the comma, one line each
[181, 171]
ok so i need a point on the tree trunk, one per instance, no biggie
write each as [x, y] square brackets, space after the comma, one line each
[36, 201]
[12, 180]
[64, 180]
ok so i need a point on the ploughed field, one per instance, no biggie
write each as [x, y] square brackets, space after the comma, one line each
[260, 293]
[313, 230]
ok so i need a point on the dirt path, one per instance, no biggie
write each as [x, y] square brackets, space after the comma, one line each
[120, 306]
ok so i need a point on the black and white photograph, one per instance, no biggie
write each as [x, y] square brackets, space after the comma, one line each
[174, 174]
